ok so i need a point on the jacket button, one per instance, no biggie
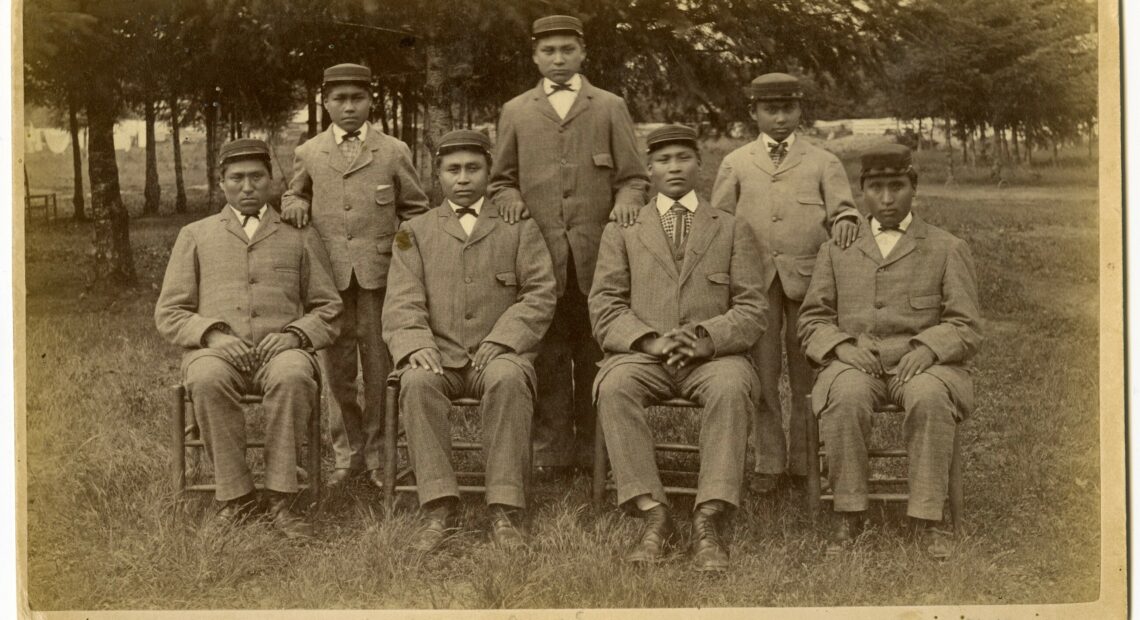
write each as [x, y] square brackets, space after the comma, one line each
[469, 316]
[566, 194]
[775, 218]
[253, 280]
[563, 162]
[879, 304]
[467, 280]
[775, 253]
[348, 237]
[348, 207]
[253, 314]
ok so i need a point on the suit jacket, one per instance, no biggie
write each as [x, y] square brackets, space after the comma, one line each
[452, 292]
[638, 288]
[569, 172]
[279, 278]
[923, 292]
[791, 208]
[356, 208]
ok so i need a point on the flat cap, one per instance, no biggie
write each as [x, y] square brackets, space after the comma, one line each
[463, 138]
[671, 134]
[886, 159]
[243, 148]
[775, 86]
[347, 72]
[556, 23]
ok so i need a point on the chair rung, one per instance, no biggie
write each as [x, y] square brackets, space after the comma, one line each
[198, 443]
[676, 403]
[668, 490]
[200, 488]
[246, 399]
[677, 447]
[411, 488]
[882, 497]
[465, 402]
[880, 453]
[677, 472]
[466, 445]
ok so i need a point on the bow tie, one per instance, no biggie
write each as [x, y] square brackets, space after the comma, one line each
[778, 147]
[461, 211]
[885, 228]
[348, 135]
[555, 87]
[246, 216]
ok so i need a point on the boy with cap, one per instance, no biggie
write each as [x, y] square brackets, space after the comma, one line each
[355, 184]
[567, 154]
[893, 318]
[793, 194]
[252, 300]
[676, 304]
[468, 301]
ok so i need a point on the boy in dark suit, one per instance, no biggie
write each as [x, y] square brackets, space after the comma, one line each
[676, 304]
[469, 299]
[355, 185]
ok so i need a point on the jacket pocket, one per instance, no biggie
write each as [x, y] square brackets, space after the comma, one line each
[385, 195]
[507, 278]
[925, 302]
[384, 243]
[293, 270]
[603, 160]
[805, 265]
[720, 278]
[809, 199]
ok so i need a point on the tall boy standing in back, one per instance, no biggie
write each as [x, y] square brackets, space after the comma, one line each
[794, 195]
[355, 184]
[567, 154]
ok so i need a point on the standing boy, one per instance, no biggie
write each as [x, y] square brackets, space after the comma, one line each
[567, 154]
[469, 299]
[892, 319]
[251, 300]
[676, 304]
[793, 195]
[355, 185]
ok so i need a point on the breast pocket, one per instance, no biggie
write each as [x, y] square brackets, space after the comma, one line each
[603, 160]
[507, 278]
[721, 278]
[385, 195]
[927, 306]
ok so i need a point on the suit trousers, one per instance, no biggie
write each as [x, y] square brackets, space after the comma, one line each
[727, 390]
[928, 430]
[288, 384]
[356, 432]
[565, 367]
[507, 407]
[768, 440]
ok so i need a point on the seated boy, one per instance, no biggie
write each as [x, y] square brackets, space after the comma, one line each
[893, 318]
[677, 301]
[469, 298]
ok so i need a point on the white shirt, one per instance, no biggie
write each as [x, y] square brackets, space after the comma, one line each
[769, 141]
[563, 99]
[886, 239]
[252, 224]
[467, 221]
[338, 133]
[689, 201]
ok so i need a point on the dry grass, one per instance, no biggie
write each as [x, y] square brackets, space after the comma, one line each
[104, 532]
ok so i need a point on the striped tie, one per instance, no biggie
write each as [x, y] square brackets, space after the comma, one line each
[777, 152]
[350, 145]
[679, 233]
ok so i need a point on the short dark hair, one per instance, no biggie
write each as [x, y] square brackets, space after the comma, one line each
[233, 160]
[911, 174]
[457, 149]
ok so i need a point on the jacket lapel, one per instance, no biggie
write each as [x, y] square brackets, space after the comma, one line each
[332, 153]
[705, 228]
[581, 102]
[794, 157]
[484, 224]
[908, 242]
[542, 103]
[267, 227]
[760, 156]
[449, 223]
[652, 236]
[866, 241]
[371, 144]
[230, 222]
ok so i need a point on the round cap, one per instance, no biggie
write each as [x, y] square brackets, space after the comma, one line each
[775, 86]
[347, 72]
[243, 148]
[463, 139]
[886, 159]
[670, 134]
[556, 23]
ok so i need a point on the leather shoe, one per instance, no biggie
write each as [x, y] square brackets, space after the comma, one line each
[440, 523]
[236, 511]
[764, 484]
[376, 478]
[709, 552]
[937, 542]
[505, 531]
[656, 535]
[844, 526]
[340, 476]
[284, 519]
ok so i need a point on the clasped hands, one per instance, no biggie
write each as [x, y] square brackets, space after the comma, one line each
[915, 361]
[247, 358]
[679, 346]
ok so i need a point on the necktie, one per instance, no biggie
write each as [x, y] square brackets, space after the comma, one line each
[679, 212]
[555, 87]
[885, 228]
[351, 134]
[461, 211]
[777, 152]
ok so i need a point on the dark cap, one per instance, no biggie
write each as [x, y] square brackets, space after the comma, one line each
[243, 148]
[774, 87]
[552, 24]
[348, 72]
[463, 139]
[671, 134]
[886, 160]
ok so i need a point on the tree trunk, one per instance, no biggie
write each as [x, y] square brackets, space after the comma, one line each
[326, 120]
[437, 106]
[395, 113]
[77, 159]
[918, 147]
[176, 141]
[407, 123]
[311, 97]
[382, 108]
[211, 154]
[1016, 146]
[112, 251]
[152, 193]
[1053, 140]
[1029, 137]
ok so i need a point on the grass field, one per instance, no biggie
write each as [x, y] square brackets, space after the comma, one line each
[104, 532]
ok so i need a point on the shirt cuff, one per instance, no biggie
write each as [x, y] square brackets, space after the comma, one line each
[306, 344]
[219, 326]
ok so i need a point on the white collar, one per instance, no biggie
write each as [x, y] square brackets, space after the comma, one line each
[260, 212]
[769, 141]
[338, 132]
[574, 82]
[689, 201]
[877, 228]
[477, 206]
